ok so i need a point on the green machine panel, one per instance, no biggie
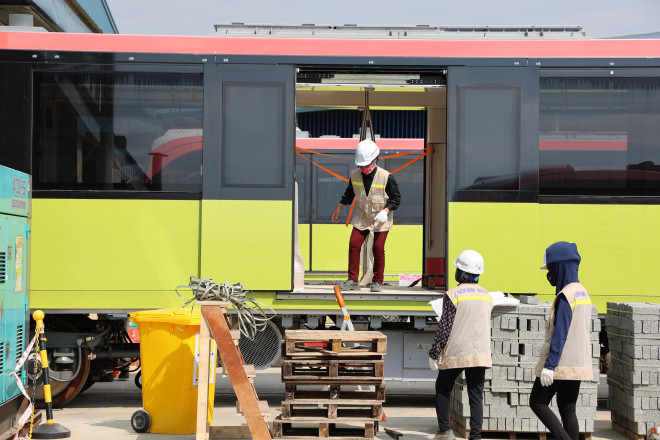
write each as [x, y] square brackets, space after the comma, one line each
[14, 234]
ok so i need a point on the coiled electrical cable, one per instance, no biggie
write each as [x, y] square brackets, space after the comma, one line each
[252, 317]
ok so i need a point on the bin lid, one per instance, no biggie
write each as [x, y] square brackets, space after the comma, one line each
[174, 316]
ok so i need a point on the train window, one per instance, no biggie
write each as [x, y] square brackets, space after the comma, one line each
[253, 135]
[411, 185]
[329, 189]
[599, 136]
[117, 131]
[488, 140]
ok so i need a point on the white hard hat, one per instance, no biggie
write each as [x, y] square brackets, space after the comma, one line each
[470, 262]
[366, 152]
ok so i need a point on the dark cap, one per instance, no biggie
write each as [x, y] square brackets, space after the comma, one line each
[560, 251]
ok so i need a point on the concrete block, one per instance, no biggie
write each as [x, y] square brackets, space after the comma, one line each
[524, 425]
[513, 399]
[589, 425]
[528, 299]
[523, 400]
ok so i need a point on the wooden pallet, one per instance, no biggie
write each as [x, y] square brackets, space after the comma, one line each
[327, 411]
[332, 370]
[627, 432]
[309, 343]
[331, 393]
[285, 429]
[464, 432]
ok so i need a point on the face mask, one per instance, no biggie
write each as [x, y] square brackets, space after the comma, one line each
[368, 169]
[549, 277]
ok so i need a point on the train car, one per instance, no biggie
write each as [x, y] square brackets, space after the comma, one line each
[530, 136]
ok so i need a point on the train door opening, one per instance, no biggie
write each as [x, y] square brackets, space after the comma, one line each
[408, 111]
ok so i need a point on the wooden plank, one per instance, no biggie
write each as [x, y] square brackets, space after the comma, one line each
[263, 407]
[230, 432]
[249, 370]
[330, 414]
[202, 425]
[372, 396]
[233, 362]
[369, 430]
[364, 381]
[393, 433]
[324, 429]
[626, 432]
[220, 304]
[344, 335]
[337, 401]
[289, 391]
[381, 345]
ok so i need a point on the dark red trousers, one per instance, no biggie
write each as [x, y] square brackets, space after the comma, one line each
[355, 243]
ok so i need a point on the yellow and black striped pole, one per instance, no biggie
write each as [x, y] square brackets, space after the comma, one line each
[50, 429]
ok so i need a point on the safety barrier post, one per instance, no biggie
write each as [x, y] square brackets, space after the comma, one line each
[50, 429]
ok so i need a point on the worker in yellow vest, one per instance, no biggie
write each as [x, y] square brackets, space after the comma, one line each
[462, 342]
[377, 196]
[565, 357]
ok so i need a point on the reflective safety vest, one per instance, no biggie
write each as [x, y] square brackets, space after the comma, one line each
[368, 206]
[469, 341]
[576, 358]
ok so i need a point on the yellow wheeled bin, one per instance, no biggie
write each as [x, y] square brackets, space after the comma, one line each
[169, 341]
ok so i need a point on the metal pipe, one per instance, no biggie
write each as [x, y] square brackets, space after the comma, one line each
[132, 352]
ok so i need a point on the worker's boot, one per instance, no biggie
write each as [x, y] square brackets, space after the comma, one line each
[376, 286]
[349, 285]
[445, 435]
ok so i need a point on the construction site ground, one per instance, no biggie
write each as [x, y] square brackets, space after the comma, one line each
[104, 411]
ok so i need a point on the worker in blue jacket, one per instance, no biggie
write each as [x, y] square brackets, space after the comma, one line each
[565, 357]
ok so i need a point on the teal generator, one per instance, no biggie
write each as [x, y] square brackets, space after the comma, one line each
[14, 234]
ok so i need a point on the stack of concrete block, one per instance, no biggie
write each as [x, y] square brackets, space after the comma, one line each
[634, 372]
[516, 338]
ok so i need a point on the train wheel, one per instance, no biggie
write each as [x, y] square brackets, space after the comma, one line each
[88, 384]
[140, 421]
[63, 392]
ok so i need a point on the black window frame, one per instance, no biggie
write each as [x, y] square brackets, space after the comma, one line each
[99, 66]
[571, 196]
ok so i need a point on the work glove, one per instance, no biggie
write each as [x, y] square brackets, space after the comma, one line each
[547, 377]
[433, 364]
[381, 216]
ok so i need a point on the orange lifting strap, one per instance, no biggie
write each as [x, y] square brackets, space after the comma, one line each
[424, 152]
[366, 117]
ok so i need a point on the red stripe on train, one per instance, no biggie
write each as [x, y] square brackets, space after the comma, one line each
[223, 46]
[583, 145]
[350, 144]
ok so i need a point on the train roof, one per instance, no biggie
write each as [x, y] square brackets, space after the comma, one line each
[418, 32]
